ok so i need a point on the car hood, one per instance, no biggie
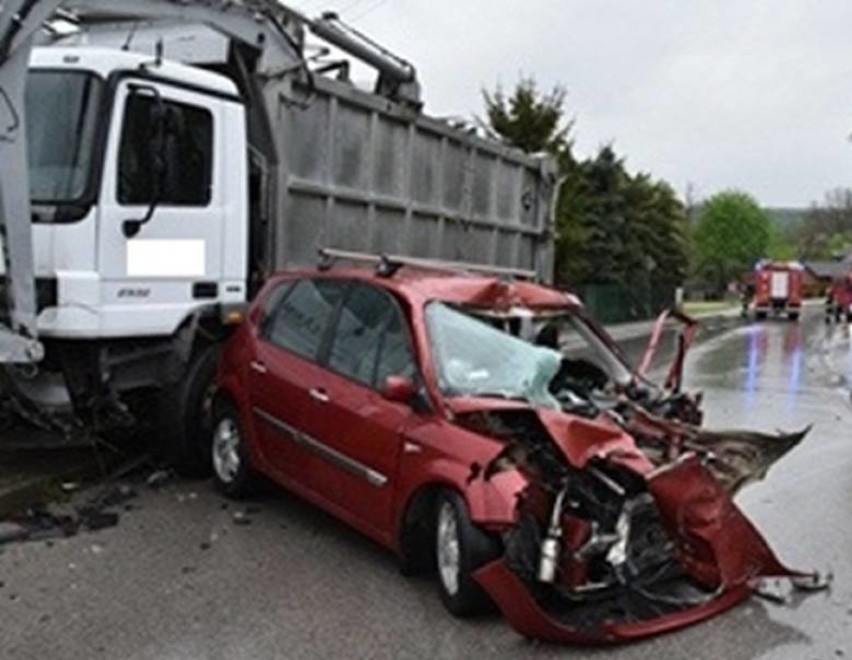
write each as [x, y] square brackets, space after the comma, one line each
[579, 439]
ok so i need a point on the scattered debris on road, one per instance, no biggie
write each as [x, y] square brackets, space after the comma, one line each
[47, 522]
[159, 478]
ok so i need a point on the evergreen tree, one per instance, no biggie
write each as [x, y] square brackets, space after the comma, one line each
[731, 234]
[612, 227]
[528, 120]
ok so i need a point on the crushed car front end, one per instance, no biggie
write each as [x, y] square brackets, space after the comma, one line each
[623, 519]
[606, 545]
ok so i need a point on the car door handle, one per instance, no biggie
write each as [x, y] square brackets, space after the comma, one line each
[319, 394]
[259, 367]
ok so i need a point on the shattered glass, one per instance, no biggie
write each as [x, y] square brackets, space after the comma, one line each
[474, 359]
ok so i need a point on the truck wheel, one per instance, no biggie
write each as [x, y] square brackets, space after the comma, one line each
[760, 316]
[793, 316]
[186, 415]
[233, 474]
[461, 548]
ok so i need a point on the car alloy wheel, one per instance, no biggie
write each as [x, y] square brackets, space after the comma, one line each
[448, 548]
[226, 450]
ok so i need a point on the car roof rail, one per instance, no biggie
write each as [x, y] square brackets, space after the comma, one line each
[389, 265]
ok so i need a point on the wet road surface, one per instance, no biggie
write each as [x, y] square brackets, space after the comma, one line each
[179, 578]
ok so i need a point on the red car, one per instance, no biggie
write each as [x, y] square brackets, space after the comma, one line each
[540, 473]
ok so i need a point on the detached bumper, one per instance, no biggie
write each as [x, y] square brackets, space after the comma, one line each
[528, 618]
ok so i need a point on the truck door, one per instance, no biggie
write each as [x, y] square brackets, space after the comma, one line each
[175, 163]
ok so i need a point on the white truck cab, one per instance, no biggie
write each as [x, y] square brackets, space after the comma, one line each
[102, 123]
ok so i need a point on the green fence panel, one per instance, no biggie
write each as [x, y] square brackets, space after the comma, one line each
[614, 303]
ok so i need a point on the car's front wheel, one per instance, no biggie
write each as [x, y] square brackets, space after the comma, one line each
[232, 471]
[460, 549]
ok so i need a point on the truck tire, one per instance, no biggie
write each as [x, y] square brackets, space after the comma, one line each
[793, 316]
[760, 316]
[461, 548]
[186, 415]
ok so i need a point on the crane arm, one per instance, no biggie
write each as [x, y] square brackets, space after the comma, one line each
[19, 20]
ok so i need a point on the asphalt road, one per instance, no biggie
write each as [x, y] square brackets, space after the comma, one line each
[179, 578]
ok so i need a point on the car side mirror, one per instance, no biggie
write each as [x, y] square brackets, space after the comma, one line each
[399, 389]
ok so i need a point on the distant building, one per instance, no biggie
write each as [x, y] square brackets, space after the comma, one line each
[823, 273]
[826, 271]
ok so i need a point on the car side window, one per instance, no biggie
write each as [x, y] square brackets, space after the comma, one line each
[299, 321]
[369, 328]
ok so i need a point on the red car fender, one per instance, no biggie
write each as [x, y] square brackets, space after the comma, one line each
[494, 502]
[418, 475]
[490, 503]
[231, 386]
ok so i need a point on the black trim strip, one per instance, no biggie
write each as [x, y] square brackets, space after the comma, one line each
[331, 455]
[150, 75]
[205, 290]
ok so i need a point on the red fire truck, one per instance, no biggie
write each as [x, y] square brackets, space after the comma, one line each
[778, 289]
[840, 303]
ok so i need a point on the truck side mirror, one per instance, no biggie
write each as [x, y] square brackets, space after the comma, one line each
[158, 118]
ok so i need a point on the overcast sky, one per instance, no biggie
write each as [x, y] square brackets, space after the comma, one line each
[717, 93]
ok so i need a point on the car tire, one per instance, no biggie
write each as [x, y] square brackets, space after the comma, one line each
[760, 316]
[460, 549]
[793, 316]
[233, 474]
[185, 415]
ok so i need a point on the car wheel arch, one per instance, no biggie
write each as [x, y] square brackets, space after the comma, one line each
[223, 396]
[416, 523]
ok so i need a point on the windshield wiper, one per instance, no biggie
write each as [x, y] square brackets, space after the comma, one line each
[501, 395]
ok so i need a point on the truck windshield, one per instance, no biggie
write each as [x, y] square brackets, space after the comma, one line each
[61, 127]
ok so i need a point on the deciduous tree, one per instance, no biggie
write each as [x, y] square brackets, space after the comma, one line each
[731, 234]
[827, 229]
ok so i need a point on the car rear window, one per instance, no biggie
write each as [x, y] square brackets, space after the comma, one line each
[299, 321]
